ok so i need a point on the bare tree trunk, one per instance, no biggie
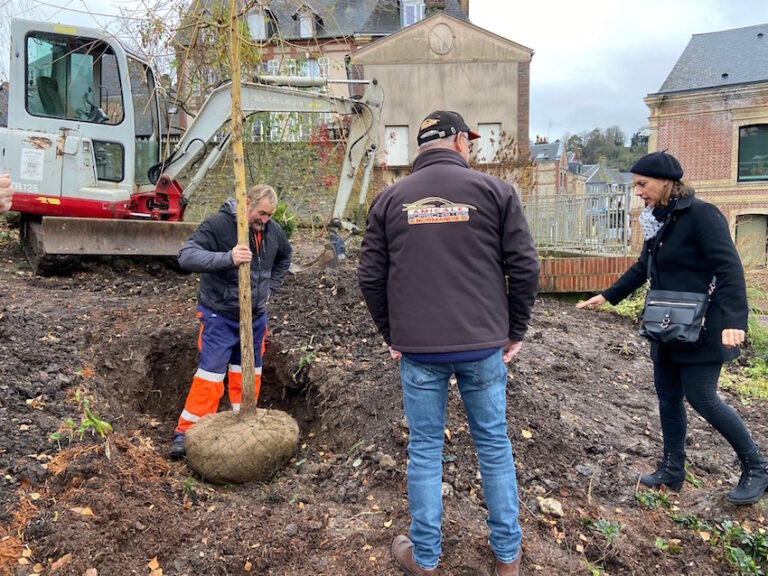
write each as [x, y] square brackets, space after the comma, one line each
[248, 404]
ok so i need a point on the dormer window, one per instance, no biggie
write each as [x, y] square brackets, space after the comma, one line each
[261, 24]
[306, 25]
[308, 20]
[411, 11]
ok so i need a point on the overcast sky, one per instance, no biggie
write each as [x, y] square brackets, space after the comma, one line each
[594, 61]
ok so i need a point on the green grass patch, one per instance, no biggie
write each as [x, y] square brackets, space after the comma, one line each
[750, 382]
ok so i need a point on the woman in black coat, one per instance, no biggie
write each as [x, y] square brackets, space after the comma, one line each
[690, 244]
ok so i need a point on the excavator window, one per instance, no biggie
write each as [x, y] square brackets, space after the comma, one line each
[146, 123]
[110, 160]
[72, 78]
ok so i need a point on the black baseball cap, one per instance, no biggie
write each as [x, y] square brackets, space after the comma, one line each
[442, 123]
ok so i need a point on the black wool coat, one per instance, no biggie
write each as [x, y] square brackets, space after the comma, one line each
[694, 245]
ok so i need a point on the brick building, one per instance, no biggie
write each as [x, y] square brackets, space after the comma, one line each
[712, 114]
[550, 163]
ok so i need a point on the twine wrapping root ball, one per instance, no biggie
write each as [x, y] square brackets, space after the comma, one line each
[228, 447]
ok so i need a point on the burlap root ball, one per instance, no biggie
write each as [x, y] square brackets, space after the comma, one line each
[231, 448]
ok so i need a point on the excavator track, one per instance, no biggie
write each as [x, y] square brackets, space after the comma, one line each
[31, 235]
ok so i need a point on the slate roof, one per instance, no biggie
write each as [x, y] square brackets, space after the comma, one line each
[725, 58]
[342, 18]
[547, 152]
[589, 170]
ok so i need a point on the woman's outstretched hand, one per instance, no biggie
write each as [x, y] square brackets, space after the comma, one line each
[592, 303]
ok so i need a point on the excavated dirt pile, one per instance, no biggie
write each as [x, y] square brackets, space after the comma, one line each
[114, 343]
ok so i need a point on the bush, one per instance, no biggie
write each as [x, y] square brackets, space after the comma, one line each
[286, 219]
[632, 306]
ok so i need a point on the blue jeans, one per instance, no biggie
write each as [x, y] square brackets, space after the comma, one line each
[483, 386]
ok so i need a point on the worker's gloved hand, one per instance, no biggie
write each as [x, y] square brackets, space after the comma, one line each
[241, 254]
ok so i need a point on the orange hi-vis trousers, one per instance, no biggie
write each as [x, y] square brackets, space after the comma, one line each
[219, 345]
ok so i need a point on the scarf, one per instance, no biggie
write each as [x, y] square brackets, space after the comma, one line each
[648, 223]
[652, 219]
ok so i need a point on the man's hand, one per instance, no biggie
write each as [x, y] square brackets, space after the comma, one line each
[510, 350]
[732, 337]
[6, 193]
[396, 354]
[241, 254]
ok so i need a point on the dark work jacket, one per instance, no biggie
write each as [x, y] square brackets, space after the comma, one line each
[694, 245]
[209, 251]
[447, 261]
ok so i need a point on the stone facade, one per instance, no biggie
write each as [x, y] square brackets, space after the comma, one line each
[443, 62]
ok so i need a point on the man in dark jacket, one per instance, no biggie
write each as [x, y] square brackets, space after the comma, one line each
[449, 273]
[213, 250]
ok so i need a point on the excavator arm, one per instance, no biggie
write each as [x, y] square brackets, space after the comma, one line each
[163, 238]
[362, 140]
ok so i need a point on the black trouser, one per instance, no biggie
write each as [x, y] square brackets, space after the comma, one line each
[698, 384]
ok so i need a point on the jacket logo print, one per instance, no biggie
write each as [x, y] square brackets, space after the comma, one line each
[434, 210]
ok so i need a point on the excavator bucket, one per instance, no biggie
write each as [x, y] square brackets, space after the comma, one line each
[114, 237]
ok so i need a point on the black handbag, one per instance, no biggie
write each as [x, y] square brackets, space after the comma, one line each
[672, 318]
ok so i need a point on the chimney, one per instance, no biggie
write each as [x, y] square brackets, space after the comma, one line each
[465, 6]
[433, 6]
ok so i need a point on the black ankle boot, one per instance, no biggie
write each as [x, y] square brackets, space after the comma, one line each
[670, 472]
[754, 479]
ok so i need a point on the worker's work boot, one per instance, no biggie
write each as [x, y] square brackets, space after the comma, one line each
[670, 472]
[754, 479]
[402, 552]
[178, 450]
[508, 568]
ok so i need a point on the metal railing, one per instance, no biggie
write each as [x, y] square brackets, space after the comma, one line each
[590, 224]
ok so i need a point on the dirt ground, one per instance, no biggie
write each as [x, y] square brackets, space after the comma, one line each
[581, 408]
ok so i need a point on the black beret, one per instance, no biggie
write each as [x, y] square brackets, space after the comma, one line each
[658, 165]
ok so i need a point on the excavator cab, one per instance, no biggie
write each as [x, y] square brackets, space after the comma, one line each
[94, 102]
[83, 144]
[83, 132]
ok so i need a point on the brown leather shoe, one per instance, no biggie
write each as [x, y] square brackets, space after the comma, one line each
[402, 552]
[508, 568]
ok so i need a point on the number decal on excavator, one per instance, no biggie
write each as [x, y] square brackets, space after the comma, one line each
[24, 187]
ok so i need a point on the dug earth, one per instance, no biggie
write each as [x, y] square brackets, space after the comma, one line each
[111, 349]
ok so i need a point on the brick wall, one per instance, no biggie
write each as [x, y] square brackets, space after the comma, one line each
[702, 143]
[588, 274]
[523, 107]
